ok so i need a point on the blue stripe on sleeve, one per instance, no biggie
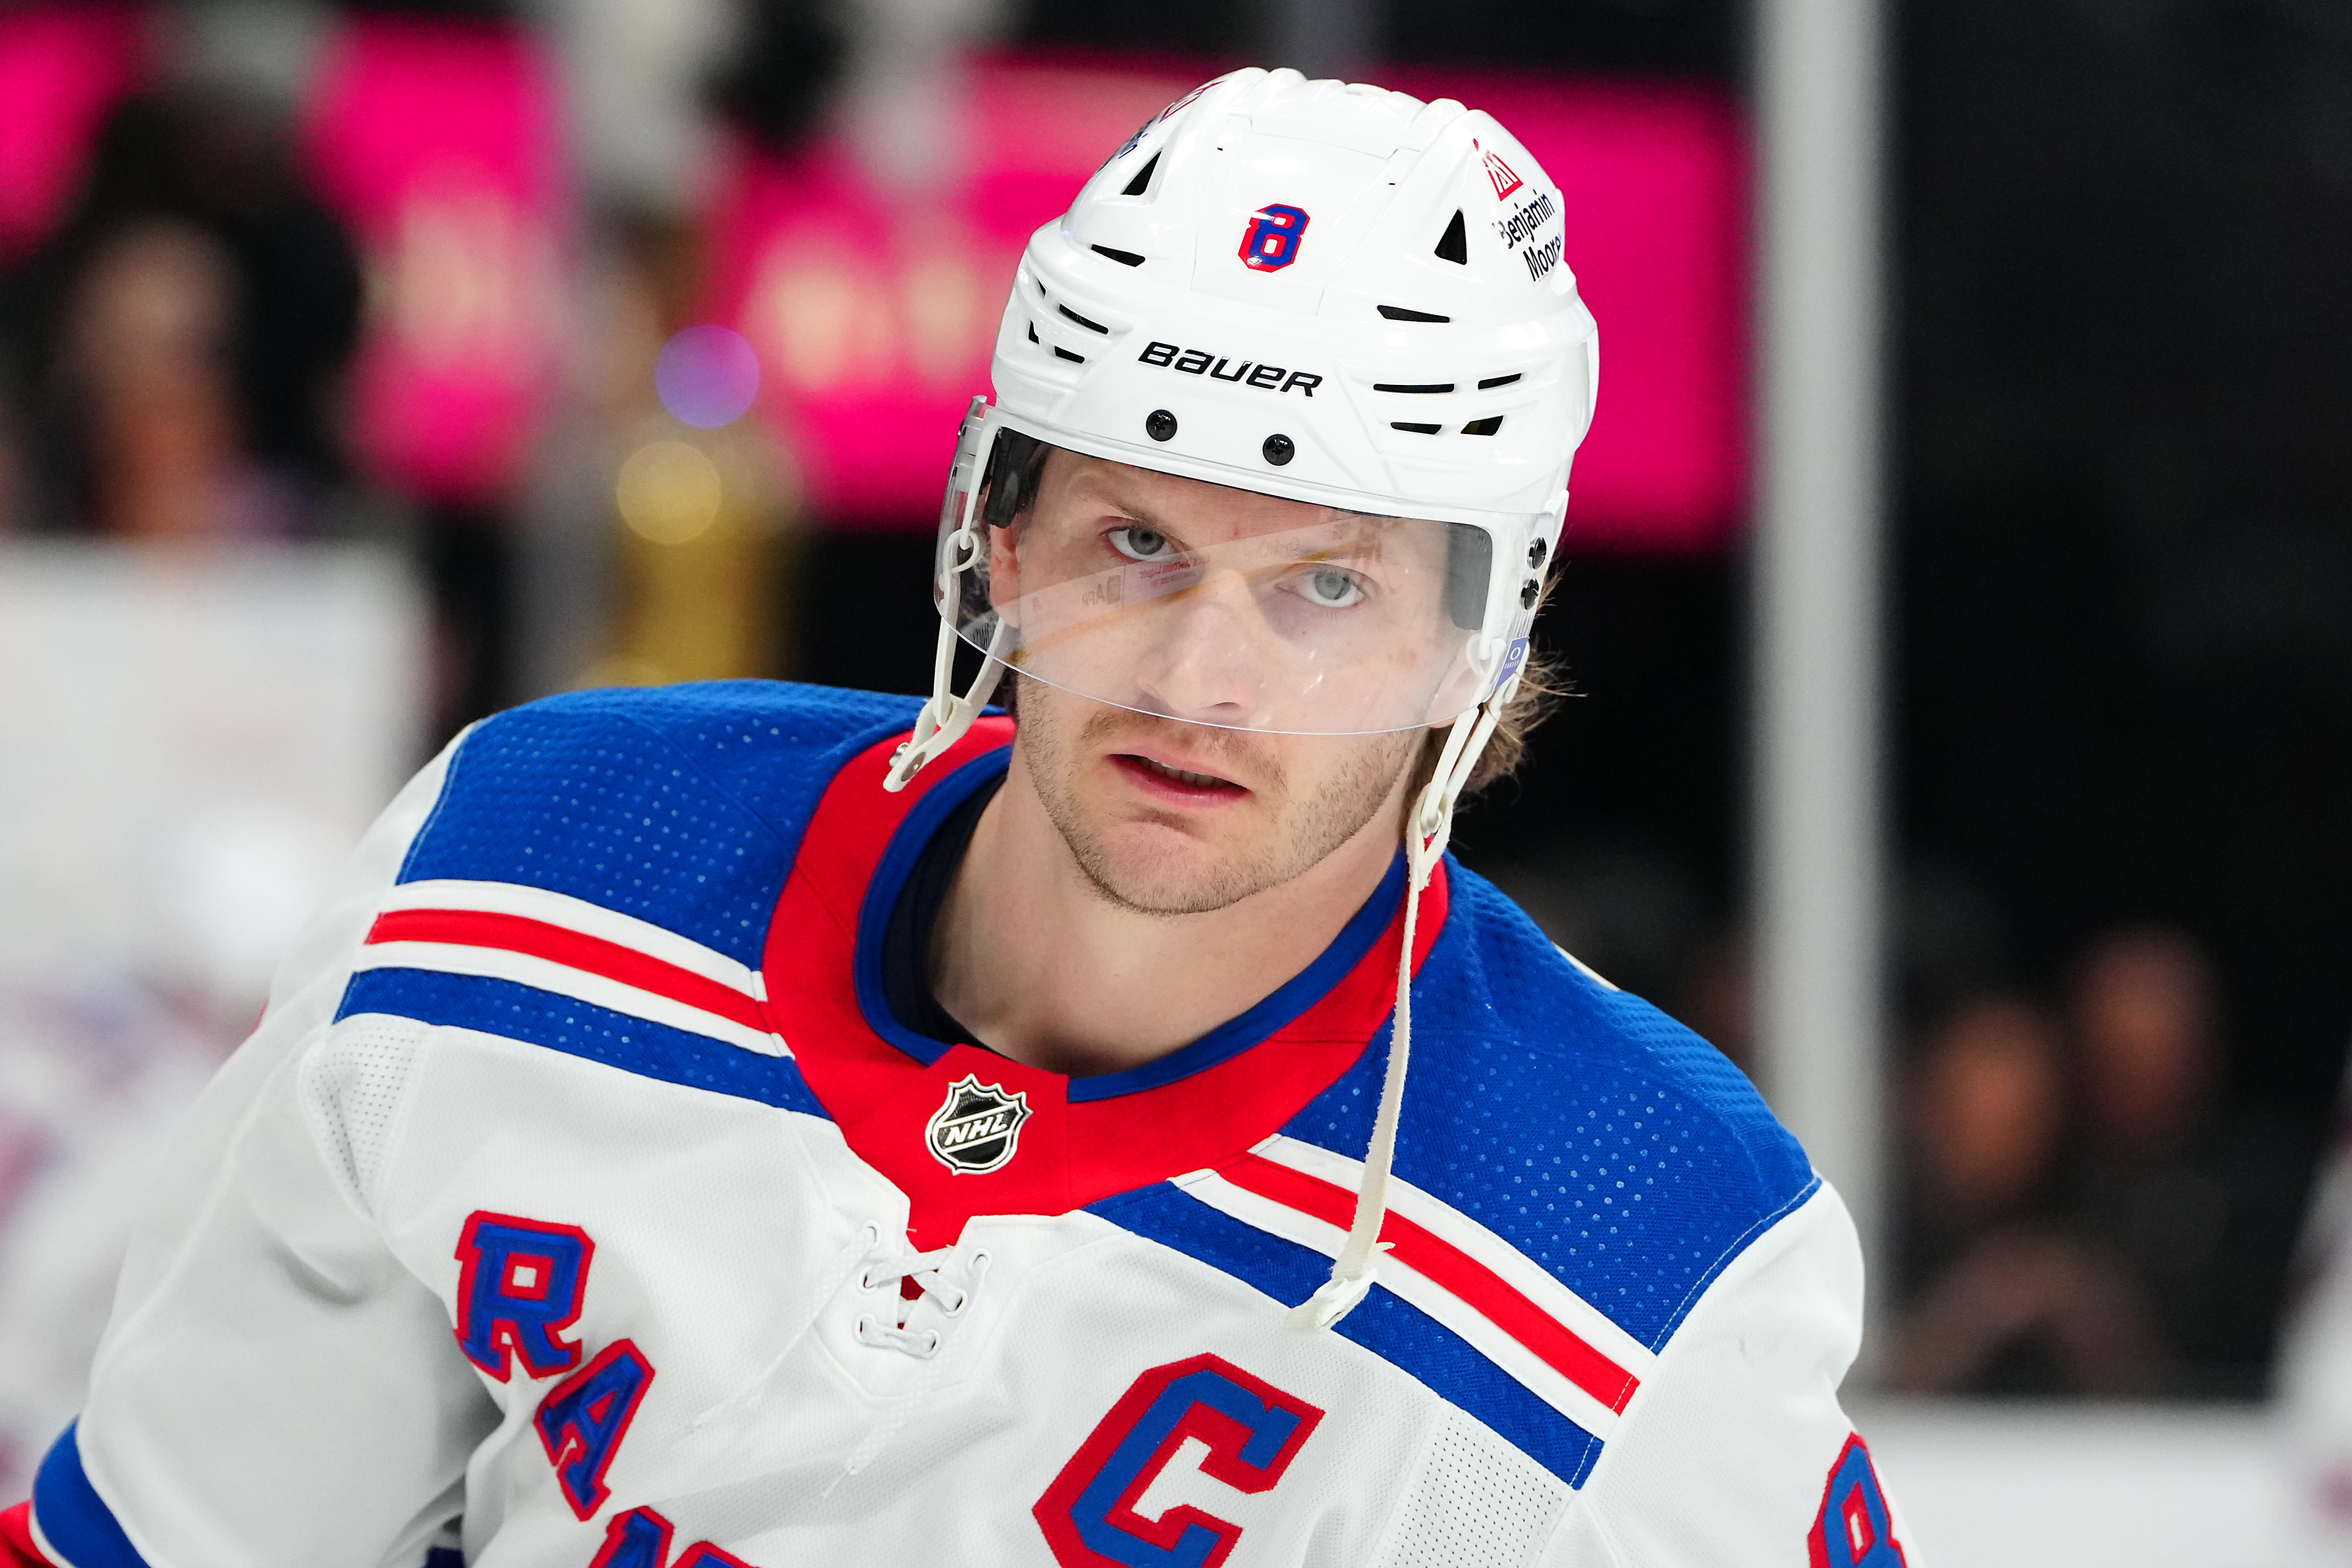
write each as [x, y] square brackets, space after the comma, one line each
[1387, 1325]
[539, 1017]
[73, 1517]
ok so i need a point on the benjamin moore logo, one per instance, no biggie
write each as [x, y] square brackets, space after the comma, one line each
[978, 1128]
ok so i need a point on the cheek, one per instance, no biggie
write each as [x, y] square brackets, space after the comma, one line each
[1346, 771]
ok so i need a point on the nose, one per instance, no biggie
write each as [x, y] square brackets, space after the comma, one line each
[1211, 656]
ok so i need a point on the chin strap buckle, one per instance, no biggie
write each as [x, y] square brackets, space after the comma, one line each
[945, 717]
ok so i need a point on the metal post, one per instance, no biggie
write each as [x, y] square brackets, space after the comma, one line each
[1818, 798]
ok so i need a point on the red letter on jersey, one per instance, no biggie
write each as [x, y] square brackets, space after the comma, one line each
[519, 1287]
[1252, 1431]
[1855, 1527]
[584, 1418]
[640, 1539]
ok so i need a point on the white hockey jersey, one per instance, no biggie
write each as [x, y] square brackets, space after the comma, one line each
[581, 1201]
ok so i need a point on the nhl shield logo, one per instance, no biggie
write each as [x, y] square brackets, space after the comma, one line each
[979, 1127]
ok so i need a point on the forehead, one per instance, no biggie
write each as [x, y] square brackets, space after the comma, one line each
[1078, 489]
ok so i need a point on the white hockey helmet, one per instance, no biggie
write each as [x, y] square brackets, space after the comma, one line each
[1326, 292]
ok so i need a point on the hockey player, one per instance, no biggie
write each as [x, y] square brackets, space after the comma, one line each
[759, 1125]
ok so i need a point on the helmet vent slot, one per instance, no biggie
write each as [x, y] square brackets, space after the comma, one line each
[1064, 353]
[1091, 326]
[1426, 386]
[1485, 427]
[1453, 245]
[1124, 257]
[1399, 314]
[1498, 381]
[1417, 429]
[1032, 332]
[1142, 181]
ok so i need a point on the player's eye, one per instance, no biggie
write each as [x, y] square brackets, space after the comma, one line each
[1139, 543]
[1330, 587]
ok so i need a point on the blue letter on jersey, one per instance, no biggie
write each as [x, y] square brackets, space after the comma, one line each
[520, 1285]
[1251, 1429]
[1854, 1529]
[640, 1539]
[584, 1418]
[637, 1538]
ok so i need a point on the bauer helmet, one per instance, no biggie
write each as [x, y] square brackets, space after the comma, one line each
[1329, 293]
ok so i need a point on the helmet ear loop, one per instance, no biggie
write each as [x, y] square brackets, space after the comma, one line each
[1428, 825]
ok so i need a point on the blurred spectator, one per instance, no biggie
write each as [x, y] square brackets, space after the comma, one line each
[2143, 1010]
[177, 341]
[2200, 1203]
[145, 363]
[2009, 1299]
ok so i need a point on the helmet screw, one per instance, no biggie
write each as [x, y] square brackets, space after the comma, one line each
[1530, 594]
[1279, 450]
[1160, 425]
[1536, 553]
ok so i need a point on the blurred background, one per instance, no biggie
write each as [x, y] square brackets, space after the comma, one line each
[367, 368]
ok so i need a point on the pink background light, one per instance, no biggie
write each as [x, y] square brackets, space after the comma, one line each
[874, 315]
[438, 143]
[62, 69]
[1651, 177]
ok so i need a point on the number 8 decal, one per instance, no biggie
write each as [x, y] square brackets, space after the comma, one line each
[1271, 241]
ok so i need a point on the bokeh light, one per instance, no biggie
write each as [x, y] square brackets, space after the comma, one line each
[708, 375]
[668, 492]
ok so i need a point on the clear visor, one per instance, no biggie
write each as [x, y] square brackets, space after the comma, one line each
[1268, 616]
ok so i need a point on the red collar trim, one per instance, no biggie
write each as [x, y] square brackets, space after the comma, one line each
[1064, 1155]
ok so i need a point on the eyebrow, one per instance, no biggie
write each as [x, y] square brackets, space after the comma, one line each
[1104, 498]
[1362, 528]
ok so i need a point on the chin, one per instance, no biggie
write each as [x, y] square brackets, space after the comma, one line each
[1164, 870]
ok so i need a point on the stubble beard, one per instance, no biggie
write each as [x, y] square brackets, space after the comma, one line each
[1304, 832]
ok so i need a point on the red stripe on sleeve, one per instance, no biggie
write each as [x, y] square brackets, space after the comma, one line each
[16, 1548]
[1446, 1266]
[593, 954]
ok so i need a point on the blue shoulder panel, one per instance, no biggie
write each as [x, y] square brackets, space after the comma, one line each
[1595, 1134]
[682, 805]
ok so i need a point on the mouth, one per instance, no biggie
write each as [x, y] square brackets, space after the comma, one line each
[1166, 782]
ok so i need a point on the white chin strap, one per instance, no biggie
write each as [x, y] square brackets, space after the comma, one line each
[946, 717]
[1426, 832]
